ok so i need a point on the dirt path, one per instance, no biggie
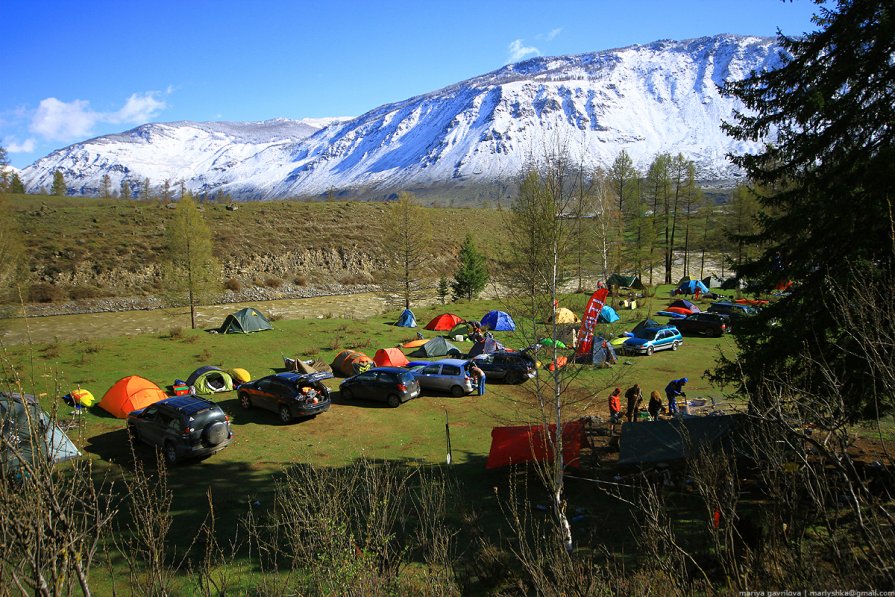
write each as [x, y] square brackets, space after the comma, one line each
[129, 323]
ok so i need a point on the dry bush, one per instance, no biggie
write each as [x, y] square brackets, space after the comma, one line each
[78, 293]
[233, 285]
[42, 292]
[204, 356]
[353, 278]
[275, 316]
[272, 282]
[300, 280]
[175, 333]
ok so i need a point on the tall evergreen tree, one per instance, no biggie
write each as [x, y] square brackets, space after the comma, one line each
[472, 275]
[16, 187]
[406, 248]
[826, 191]
[58, 189]
[191, 268]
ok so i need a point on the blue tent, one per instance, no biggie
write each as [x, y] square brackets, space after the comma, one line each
[407, 320]
[498, 321]
[607, 315]
[690, 286]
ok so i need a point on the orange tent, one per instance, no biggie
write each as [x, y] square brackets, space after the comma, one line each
[444, 322]
[130, 394]
[389, 357]
[415, 343]
[351, 362]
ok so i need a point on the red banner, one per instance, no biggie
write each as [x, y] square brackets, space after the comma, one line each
[591, 314]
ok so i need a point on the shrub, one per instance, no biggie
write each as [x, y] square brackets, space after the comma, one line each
[300, 280]
[77, 293]
[233, 284]
[45, 293]
[272, 282]
[204, 356]
[275, 316]
[175, 333]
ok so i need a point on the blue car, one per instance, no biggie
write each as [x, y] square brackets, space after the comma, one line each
[649, 340]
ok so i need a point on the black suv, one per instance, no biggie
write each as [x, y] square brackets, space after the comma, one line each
[183, 427]
[733, 310]
[511, 367]
[289, 394]
[710, 324]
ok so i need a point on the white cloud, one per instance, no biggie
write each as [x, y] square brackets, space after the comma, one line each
[549, 36]
[27, 146]
[56, 120]
[518, 51]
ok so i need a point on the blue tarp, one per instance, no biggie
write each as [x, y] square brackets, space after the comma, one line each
[498, 321]
[406, 320]
[690, 286]
[607, 315]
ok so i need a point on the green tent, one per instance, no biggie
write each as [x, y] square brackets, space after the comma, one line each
[245, 321]
[210, 379]
[436, 347]
[28, 434]
[624, 281]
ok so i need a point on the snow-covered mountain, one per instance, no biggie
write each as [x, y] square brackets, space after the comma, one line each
[646, 99]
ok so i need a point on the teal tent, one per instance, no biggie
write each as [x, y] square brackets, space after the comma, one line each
[607, 315]
[436, 347]
[245, 321]
[406, 320]
[29, 434]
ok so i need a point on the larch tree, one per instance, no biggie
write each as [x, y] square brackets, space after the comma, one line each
[105, 187]
[58, 189]
[406, 244]
[190, 268]
[622, 177]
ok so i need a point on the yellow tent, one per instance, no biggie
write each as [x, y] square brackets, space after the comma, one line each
[564, 315]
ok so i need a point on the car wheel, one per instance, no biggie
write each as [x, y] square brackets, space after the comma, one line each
[514, 377]
[345, 393]
[457, 391]
[285, 414]
[674, 345]
[215, 433]
[650, 350]
[245, 401]
[170, 453]
[393, 401]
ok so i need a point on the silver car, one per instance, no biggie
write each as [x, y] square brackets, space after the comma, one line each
[446, 375]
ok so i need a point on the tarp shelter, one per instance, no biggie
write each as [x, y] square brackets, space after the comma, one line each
[683, 304]
[498, 321]
[486, 346]
[389, 357]
[210, 380]
[351, 362]
[514, 445]
[646, 323]
[129, 394]
[564, 315]
[30, 434]
[406, 319]
[444, 322]
[713, 281]
[624, 281]
[607, 315]
[245, 321]
[690, 286]
[662, 441]
[436, 347]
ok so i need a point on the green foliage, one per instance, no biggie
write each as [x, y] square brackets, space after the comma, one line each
[406, 242]
[16, 187]
[444, 289]
[472, 276]
[58, 189]
[825, 189]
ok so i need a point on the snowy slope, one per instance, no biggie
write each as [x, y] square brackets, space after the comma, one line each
[644, 99]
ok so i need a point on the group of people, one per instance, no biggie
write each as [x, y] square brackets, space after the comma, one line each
[634, 396]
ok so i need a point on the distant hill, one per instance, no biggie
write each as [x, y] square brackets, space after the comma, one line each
[473, 135]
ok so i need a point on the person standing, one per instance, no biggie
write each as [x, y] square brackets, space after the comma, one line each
[479, 377]
[655, 405]
[615, 405]
[635, 397]
[674, 389]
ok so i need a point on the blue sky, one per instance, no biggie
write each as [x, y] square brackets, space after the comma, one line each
[73, 70]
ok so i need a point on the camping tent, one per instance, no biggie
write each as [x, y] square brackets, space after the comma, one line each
[389, 357]
[603, 352]
[210, 379]
[514, 445]
[675, 439]
[30, 433]
[624, 281]
[646, 323]
[486, 346]
[461, 329]
[564, 315]
[406, 319]
[499, 321]
[690, 286]
[607, 315]
[240, 375]
[436, 347]
[683, 304]
[351, 362]
[129, 394]
[712, 281]
[245, 321]
[444, 322]
[415, 343]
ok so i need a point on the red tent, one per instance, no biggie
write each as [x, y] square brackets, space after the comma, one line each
[444, 322]
[513, 445]
[390, 357]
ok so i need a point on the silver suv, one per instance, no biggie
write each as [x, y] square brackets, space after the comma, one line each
[446, 375]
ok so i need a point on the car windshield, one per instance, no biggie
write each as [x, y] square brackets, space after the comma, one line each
[406, 377]
[647, 334]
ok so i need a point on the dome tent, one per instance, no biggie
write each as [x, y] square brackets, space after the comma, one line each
[351, 362]
[564, 315]
[210, 379]
[607, 315]
[245, 321]
[498, 321]
[389, 357]
[129, 394]
[406, 319]
[444, 322]
[436, 347]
